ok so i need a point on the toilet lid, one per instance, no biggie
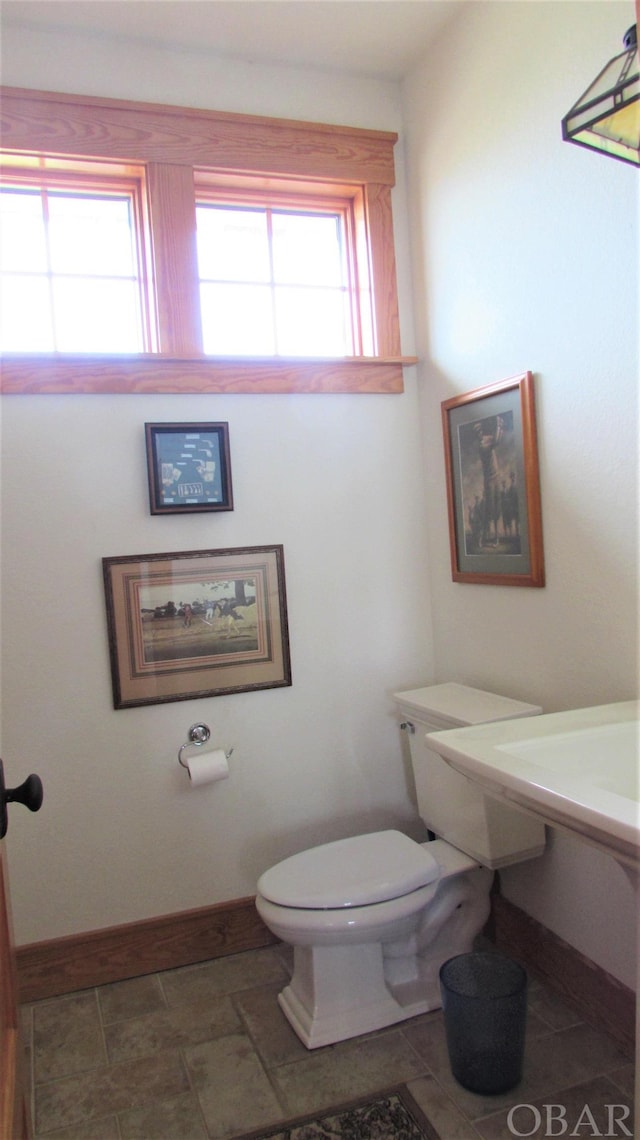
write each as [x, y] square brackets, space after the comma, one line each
[350, 872]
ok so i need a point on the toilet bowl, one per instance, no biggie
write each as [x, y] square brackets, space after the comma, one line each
[371, 918]
[363, 965]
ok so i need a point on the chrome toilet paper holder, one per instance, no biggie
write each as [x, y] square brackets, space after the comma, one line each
[198, 734]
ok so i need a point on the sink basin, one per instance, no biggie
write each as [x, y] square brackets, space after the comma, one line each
[577, 770]
[579, 755]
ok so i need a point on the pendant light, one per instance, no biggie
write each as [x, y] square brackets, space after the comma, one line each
[607, 116]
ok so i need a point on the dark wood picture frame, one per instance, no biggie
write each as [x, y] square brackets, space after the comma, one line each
[493, 484]
[189, 467]
[198, 623]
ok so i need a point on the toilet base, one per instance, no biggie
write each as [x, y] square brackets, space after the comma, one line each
[320, 1017]
[344, 990]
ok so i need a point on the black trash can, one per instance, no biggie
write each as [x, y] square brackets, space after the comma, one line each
[484, 999]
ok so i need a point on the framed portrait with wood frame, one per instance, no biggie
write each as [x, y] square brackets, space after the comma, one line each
[196, 624]
[189, 468]
[493, 484]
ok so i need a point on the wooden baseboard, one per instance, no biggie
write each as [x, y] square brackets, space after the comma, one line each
[601, 1000]
[96, 958]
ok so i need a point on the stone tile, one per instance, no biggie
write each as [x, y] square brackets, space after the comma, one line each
[285, 952]
[171, 1029]
[536, 1026]
[428, 1039]
[108, 1090]
[268, 1028]
[106, 1128]
[234, 1091]
[132, 998]
[578, 1111]
[553, 1062]
[624, 1078]
[179, 1117]
[224, 976]
[350, 1069]
[27, 1070]
[577, 1054]
[447, 1120]
[26, 1024]
[26, 1018]
[549, 1006]
[245, 1080]
[67, 1036]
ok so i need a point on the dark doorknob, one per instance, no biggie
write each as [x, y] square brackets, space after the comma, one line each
[28, 793]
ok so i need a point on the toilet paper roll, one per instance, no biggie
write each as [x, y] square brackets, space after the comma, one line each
[207, 767]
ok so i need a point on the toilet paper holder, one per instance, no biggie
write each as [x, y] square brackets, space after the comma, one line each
[198, 734]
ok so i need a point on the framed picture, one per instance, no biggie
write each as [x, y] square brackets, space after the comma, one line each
[493, 485]
[196, 624]
[189, 468]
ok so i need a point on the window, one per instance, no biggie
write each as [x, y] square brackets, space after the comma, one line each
[274, 281]
[229, 253]
[71, 267]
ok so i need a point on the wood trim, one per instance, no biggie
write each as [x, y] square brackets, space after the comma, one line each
[64, 124]
[383, 269]
[13, 1104]
[172, 212]
[97, 958]
[175, 142]
[9, 1103]
[23, 375]
[599, 998]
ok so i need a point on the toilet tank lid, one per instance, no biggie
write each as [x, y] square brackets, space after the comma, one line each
[457, 704]
[350, 872]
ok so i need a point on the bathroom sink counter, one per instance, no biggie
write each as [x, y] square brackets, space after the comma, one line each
[578, 770]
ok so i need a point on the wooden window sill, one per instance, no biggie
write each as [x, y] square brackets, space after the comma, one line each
[59, 374]
[175, 146]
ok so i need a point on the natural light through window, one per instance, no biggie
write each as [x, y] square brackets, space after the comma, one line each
[273, 282]
[175, 249]
[69, 272]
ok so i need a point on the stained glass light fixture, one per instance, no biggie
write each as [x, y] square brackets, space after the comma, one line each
[607, 116]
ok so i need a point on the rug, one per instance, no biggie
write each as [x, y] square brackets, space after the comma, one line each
[392, 1115]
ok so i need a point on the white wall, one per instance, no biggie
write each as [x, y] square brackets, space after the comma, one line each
[526, 258]
[523, 255]
[336, 479]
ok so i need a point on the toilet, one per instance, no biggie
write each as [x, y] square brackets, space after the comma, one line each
[372, 918]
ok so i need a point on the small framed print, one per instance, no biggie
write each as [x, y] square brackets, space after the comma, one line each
[493, 485]
[199, 623]
[189, 468]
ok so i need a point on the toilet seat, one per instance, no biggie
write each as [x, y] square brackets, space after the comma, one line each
[360, 871]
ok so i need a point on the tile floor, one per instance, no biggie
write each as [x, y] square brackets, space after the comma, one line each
[204, 1053]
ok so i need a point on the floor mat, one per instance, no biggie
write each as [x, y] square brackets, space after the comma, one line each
[393, 1115]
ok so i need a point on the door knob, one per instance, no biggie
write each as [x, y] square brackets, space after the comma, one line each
[28, 793]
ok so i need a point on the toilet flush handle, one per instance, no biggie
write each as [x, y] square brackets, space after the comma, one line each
[408, 727]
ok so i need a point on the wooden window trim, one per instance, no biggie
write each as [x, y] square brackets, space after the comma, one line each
[172, 143]
[104, 179]
[347, 205]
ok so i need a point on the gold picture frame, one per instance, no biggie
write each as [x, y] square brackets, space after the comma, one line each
[199, 623]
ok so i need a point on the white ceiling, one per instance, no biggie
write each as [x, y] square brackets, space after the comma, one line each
[381, 38]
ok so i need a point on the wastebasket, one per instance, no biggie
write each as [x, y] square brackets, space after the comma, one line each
[484, 1000]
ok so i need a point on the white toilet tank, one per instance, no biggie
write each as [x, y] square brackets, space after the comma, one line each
[450, 805]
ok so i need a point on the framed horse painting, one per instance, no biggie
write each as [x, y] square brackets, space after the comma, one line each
[199, 623]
